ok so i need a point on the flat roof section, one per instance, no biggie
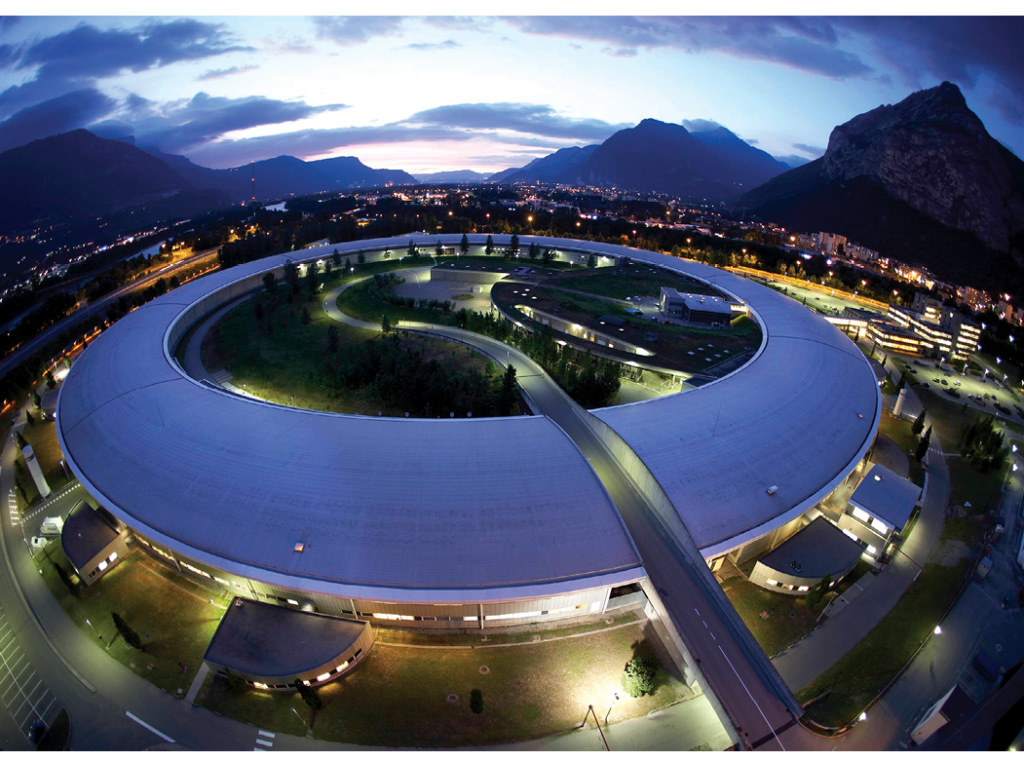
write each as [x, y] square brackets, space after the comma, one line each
[886, 496]
[819, 549]
[698, 302]
[85, 534]
[269, 640]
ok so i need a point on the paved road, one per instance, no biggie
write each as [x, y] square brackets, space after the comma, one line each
[96, 307]
[734, 665]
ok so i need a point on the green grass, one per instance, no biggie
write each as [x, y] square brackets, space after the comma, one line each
[174, 613]
[635, 281]
[42, 437]
[968, 484]
[850, 684]
[967, 529]
[789, 618]
[357, 302]
[397, 696]
[288, 366]
[901, 434]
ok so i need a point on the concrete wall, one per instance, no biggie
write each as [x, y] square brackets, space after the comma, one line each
[476, 277]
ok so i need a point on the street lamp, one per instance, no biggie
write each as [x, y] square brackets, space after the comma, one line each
[938, 630]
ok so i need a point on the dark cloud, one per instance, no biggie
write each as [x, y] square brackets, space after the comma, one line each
[526, 118]
[804, 44]
[221, 73]
[61, 114]
[700, 125]
[204, 119]
[75, 59]
[356, 30]
[811, 149]
[446, 45]
[6, 22]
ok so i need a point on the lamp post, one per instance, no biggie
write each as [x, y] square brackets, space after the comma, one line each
[300, 718]
[65, 471]
[87, 623]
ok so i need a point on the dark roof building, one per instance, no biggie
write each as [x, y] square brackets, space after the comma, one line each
[92, 542]
[817, 550]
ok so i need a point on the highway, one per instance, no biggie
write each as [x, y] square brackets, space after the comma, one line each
[735, 667]
[97, 307]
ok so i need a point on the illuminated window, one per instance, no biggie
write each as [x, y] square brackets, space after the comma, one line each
[861, 514]
[103, 565]
[880, 527]
[872, 549]
[324, 677]
[292, 602]
[469, 618]
[772, 582]
[393, 616]
[113, 557]
[803, 589]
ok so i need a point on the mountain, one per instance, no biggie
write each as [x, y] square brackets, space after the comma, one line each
[284, 175]
[793, 161]
[921, 181]
[76, 176]
[666, 158]
[458, 175]
[564, 165]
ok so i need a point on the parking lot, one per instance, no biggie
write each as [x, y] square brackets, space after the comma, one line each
[980, 393]
[24, 695]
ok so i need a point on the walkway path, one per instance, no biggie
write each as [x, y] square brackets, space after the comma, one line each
[804, 662]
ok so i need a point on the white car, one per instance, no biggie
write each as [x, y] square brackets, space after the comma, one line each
[38, 542]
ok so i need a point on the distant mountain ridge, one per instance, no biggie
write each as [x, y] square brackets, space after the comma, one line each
[657, 157]
[921, 180]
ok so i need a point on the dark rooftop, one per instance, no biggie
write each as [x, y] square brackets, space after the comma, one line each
[85, 535]
[269, 640]
[616, 321]
[819, 549]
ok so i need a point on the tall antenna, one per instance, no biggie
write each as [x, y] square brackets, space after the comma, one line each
[253, 165]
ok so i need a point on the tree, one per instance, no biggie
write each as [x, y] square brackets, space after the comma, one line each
[638, 678]
[513, 246]
[309, 695]
[476, 701]
[332, 339]
[348, 266]
[29, 418]
[306, 316]
[65, 578]
[336, 258]
[22, 443]
[51, 382]
[819, 591]
[361, 258]
[291, 276]
[489, 246]
[547, 257]
[464, 244]
[130, 636]
[918, 425]
[235, 682]
[922, 448]
[507, 393]
[592, 262]
[439, 249]
[901, 383]
[270, 282]
[413, 251]
[385, 324]
[36, 399]
[312, 282]
[328, 266]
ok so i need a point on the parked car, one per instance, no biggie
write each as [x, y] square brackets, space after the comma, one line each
[38, 542]
[52, 526]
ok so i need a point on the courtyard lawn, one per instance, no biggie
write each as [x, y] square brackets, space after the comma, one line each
[398, 696]
[901, 434]
[635, 280]
[845, 689]
[968, 484]
[288, 366]
[172, 615]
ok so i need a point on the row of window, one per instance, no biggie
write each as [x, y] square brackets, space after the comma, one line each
[103, 565]
[320, 679]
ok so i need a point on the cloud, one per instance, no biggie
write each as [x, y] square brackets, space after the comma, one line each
[221, 73]
[526, 118]
[811, 149]
[806, 45]
[751, 141]
[286, 45]
[792, 161]
[700, 125]
[204, 119]
[75, 59]
[460, 23]
[7, 22]
[619, 52]
[356, 30]
[66, 112]
[446, 45]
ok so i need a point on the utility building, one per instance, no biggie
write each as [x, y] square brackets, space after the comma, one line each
[698, 309]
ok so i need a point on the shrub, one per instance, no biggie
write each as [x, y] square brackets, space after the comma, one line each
[638, 678]
[476, 701]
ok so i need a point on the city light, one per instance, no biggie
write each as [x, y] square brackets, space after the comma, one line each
[938, 630]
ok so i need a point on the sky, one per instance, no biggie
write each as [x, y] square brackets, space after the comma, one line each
[428, 94]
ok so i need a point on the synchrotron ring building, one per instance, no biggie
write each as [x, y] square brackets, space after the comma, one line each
[454, 522]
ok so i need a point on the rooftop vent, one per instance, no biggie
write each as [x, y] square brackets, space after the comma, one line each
[239, 602]
[300, 547]
[772, 489]
[878, 478]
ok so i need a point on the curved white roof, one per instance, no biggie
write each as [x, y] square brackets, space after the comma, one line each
[438, 508]
[421, 506]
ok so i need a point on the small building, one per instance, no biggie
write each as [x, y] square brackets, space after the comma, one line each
[271, 647]
[953, 706]
[93, 542]
[699, 309]
[879, 509]
[800, 563]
